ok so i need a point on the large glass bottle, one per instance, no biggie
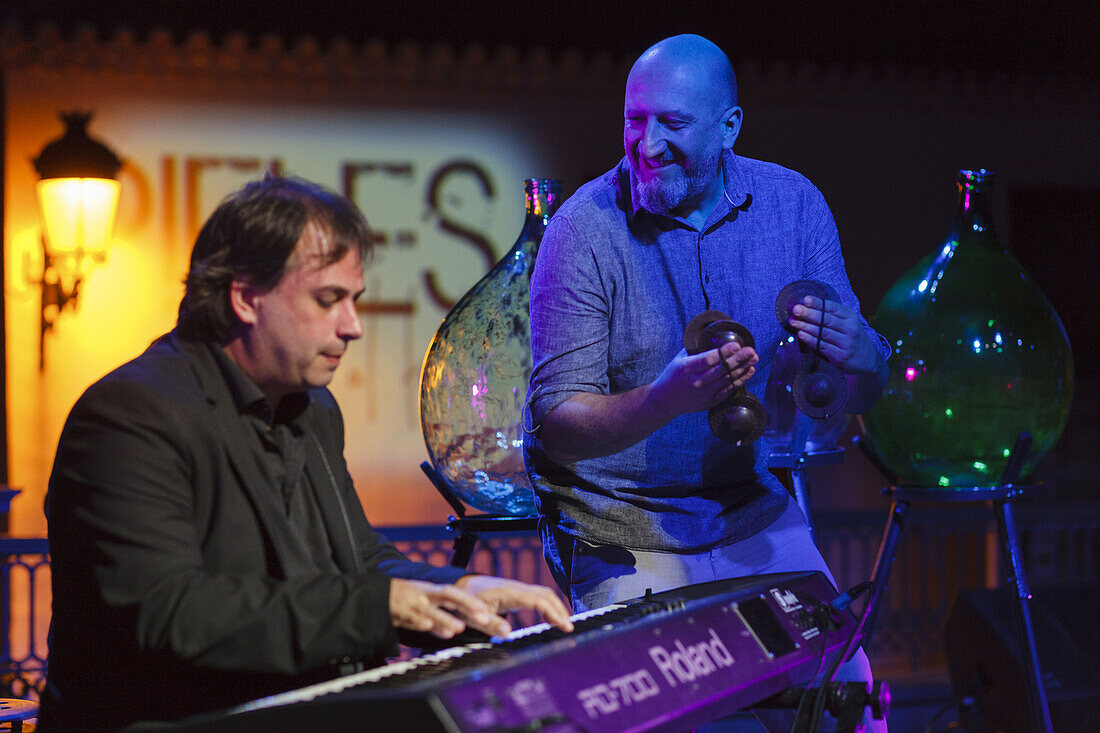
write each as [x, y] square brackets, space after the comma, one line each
[474, 380]
[980, 355]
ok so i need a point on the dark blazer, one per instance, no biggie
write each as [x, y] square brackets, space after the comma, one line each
[178, 583]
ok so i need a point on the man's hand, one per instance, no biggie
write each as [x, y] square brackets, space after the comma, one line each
[846, 344]
[439, 610]
[502, 595]
[589, 425]
[690, 383]
[843, 340]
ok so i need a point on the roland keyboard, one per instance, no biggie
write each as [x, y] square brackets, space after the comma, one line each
[666, 661]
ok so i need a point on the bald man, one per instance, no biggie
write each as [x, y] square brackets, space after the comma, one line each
[634, 490]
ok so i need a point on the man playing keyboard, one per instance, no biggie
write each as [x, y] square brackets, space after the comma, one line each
[207, 543]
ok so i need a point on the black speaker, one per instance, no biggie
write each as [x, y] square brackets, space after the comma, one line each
[984, 657]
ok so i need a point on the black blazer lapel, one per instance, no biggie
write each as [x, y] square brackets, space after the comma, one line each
[324, 474]
[239, 453]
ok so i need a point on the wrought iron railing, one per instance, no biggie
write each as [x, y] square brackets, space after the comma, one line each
[944, 549]
[24, 615]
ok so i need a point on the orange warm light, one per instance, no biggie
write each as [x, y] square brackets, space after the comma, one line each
[78, 215]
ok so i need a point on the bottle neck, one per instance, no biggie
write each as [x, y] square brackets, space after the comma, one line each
[543, 198]
[972, 214]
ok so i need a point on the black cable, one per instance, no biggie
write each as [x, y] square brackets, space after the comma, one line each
[823, 692]
[819, 703]
[817, 347]
[822, 616]
[845, 599]
[806, 690]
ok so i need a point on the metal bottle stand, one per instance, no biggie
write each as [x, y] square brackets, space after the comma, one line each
[798, 463]
[1002, 496]
[468, 530]
[799, 459]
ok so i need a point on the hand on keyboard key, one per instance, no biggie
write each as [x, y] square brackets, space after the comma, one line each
[503, 595]
[440, 610]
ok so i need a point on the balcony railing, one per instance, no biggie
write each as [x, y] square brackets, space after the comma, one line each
[24, 615]
[944, 549]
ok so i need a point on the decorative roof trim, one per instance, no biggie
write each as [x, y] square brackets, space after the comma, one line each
[373, 65]
[343, 69]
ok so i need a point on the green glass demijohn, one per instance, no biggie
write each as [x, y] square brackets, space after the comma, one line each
[979, 356]
[474, 380]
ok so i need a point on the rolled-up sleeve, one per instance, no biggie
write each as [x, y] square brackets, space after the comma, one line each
[570, 312]
[825, 262]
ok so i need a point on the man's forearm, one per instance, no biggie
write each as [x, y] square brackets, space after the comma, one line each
[592, 425]
[864, 387]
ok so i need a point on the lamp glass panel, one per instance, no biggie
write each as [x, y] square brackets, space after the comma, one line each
[79, 213]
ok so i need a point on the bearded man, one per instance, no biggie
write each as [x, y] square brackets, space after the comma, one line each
[634, 491]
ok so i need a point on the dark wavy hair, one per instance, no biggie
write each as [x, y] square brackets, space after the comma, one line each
[251, 236]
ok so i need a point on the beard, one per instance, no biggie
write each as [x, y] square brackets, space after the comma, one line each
[665, 196]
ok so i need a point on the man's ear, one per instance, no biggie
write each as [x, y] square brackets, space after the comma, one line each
[242, 299]
[731, 127]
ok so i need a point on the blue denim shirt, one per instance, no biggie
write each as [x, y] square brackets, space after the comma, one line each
[612, 290]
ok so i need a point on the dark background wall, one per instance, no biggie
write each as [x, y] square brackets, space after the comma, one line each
[1014, 36]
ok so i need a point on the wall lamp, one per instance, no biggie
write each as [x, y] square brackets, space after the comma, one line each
[77, 202]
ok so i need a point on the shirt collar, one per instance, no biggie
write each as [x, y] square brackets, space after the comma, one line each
[737, 194]
[250, 399]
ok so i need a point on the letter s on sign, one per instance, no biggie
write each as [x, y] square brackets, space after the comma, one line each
[474, 238]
